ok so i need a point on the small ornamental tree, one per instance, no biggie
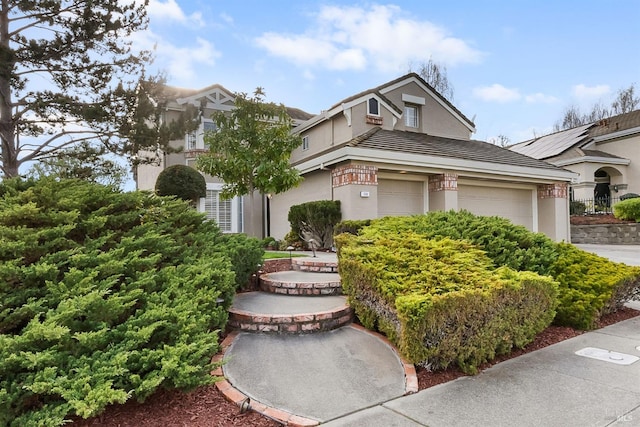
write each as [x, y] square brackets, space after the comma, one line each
[315, 220]
[250, 151]
[181, 181]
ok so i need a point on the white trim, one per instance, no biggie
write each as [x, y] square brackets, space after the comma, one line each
[592, 159]
[433, 95]
[413, 99]
[434, 164]
[619, 134]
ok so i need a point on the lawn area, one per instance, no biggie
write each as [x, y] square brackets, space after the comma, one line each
[280, 254]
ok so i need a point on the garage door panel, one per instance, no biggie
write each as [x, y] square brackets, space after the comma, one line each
[396, 198]
[511, 203]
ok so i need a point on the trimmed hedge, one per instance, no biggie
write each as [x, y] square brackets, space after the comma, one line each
[505, 243]
[441, 301]
[628, 209]
[591, 286]
[106, 297]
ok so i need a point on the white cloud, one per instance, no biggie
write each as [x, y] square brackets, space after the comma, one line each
[226, 18]
[541, 98]
[584, 91]
[308, 75]
[496, 93]
[171, 11]
[353, 38]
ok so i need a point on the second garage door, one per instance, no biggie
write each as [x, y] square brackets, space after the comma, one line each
[397, 198]
[511, 203]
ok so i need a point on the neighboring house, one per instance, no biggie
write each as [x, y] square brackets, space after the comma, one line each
[397, 149]
[229, 214]
[605, 154]
[401, 149]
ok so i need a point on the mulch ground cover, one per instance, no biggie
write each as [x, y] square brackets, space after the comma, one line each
[206, 407]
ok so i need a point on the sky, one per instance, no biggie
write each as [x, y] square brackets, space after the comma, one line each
[515, 66]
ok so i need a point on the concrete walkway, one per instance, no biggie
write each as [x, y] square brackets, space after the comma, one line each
[549, 387]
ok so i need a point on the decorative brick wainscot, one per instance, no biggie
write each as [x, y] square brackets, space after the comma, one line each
[606, 234]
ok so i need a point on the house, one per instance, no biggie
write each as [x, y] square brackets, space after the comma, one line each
[402, 149]
[229, 214]
[605, 155]
[397, 149]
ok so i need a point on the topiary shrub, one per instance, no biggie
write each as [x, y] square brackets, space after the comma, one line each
[315, 220]
[106, 297]
[628, 209]
[441, 301]
[181, 181]
[591, 286]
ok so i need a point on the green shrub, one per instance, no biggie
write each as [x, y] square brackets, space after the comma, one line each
[628, 209]
[181, 181]
[350, 226]
[577, 208]
[315, 220]
[591, 286]
[441, 301]
[506, 244]
[106, 296]
[245, 254]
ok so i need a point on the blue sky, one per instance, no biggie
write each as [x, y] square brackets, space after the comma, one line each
[515, 65]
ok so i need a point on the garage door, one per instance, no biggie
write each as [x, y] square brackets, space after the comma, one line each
[510, 203]
[397, 198]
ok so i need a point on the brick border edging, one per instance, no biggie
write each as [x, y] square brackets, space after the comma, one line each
[410, 376]
[291, 323]
[235, 396]
[314, 265]
[282, 287]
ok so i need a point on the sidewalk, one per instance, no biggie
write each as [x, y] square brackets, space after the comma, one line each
[550, 387]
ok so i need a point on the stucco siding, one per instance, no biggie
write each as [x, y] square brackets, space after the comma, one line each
[316, 186]
[628, 148]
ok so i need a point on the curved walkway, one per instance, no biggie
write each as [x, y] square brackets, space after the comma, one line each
[318, 376]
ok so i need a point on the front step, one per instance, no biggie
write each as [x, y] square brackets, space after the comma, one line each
[286, 314]
[301, 283]
[316, 265]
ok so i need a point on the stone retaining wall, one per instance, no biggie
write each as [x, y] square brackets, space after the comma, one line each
[606, 234]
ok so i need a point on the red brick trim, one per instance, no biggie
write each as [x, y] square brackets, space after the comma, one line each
[558, 190]
[290, 323]
[444, 182]
[354, 174]
[314, 265]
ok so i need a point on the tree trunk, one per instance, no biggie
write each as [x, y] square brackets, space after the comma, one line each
[9, 160]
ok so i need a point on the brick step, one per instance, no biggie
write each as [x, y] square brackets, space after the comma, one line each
[287, 314]
[316, 265]
[301, 283]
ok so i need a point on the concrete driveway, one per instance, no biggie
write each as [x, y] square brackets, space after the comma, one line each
[628, 254]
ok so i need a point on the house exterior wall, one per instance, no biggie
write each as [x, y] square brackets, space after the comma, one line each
[316, 186]
[628, 148]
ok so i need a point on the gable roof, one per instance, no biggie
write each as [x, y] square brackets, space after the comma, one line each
[379, 92]
[559, 143]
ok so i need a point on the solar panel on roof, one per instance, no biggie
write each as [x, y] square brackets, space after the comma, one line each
[554, 144]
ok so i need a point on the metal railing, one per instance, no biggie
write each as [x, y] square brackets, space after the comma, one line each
[598, 205]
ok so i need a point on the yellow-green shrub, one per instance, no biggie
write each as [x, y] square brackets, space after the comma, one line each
[591, 286]
[628, 209]
[441, 301]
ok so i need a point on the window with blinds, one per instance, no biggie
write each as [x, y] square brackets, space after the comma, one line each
[219, 210]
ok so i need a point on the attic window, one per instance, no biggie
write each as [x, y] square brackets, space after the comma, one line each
[411, 116]
[373, 107]
[305, 143]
